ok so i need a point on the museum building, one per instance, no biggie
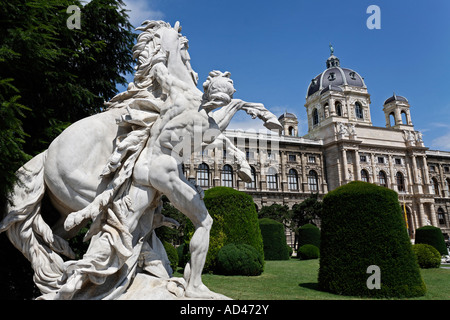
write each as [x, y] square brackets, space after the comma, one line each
[341, 146]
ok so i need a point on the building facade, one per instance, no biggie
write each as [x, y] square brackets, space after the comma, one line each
[341, 145]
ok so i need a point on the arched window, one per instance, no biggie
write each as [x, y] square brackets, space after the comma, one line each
[227, 176]
[364, 175]
[272, 179]
[392, 119]
[400, 182]
[441, 216]
[252, 185]
[404, 117]
[293, 180]
[435, 185]
[313, 181]
[203, 175]
[338, 107]
[358, 110]
[291, 131]
[382, 179]
[315, 116]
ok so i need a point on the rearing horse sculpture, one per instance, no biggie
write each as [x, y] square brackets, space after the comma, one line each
[112, 168]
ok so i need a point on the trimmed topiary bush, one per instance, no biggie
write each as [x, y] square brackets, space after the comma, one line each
[239, 259]
[274, 239]
[427, 255]
[432, 236]
[362, 226]
[309, 234]
[235, 220]
[308, 251]
[172, 254]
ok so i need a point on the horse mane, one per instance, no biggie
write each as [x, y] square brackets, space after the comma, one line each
[147, 51]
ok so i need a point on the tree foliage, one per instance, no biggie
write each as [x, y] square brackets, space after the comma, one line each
[277, 212]
[306, 211]
[62, 74]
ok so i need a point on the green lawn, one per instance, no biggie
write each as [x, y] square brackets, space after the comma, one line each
[297, 280]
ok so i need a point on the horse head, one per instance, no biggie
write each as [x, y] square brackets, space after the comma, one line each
[159, 42]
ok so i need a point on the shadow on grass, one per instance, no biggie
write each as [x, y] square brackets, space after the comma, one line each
[310, 285]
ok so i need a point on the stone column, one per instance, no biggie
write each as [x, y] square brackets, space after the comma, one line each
[415, 172]
[398, 116]
[442, 186]
[374, 170]
[433, 215]
[422, 215]
[393, 177]
[304, 173]
[332, 107]
[357, 166]
[426, 176]
[344, 165]
[283, 176]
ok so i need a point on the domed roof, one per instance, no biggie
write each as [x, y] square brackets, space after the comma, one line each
[287, 115]
[395, 98]
[334, 77]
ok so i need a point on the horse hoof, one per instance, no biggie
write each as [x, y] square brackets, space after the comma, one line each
[69, 223]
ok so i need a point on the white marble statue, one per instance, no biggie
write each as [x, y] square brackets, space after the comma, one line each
[112, 169]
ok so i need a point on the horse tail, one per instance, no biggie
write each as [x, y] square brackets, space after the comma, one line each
[27, 230]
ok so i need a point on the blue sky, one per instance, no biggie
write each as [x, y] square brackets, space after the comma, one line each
[274, 48]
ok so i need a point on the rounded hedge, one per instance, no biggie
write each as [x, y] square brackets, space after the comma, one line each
[274, 239]
[308, 252]
[172, 254]
[239, 259]
[235, 220]
[362, 225]
[432, 236]
[427, 255]
[309, 234]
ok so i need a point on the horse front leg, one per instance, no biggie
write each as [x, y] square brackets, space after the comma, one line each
[166, 177]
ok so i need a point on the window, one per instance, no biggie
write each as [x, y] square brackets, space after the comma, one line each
[364, 175]
[291, 131]
[432, 168]
[400, 182]
[404, 117]
[392, 119]
[315, 116]
[270, 156]
[446, 169]
[363, 158]
[313, 181]
[250, 154]
[338, 108]
[398, 161]
[252, 185]
[358, 111]
[382, 179]
[272, 179]
[292, 180]
[227, 176]
[380, 159]
[312, 159]
[435, 184]
[291, 158]
[446, 187]
[441, 216]
[203, 175]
